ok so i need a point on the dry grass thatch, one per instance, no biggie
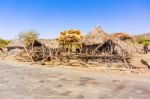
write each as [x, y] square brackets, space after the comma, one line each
[69, 36]
[52, 44]
[122, 36]
[15, 43]
[96, 36]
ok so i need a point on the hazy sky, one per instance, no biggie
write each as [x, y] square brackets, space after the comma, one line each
[50, 17]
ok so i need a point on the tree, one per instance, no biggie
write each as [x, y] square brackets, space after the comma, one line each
[28, 37]
[3, 42]
[142, 40]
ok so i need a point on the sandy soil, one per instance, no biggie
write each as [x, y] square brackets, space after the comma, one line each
[23, 81]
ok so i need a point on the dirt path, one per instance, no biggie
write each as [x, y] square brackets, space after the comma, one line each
[18, 81]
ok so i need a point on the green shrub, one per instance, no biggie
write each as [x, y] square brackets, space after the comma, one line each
[142, 40]
[28, 37]
[3, 43]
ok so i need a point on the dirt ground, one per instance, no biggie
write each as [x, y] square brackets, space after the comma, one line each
[23, 81]
[26, 80]
[136, 61]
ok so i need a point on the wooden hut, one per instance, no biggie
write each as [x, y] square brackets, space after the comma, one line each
[15, 47]
[99, 45]
[43, 49]
[93, 39]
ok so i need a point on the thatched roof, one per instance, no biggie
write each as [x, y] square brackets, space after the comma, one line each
[96, 36]
[122, 36]
[15, 43]
[53, 44]
[121, 45]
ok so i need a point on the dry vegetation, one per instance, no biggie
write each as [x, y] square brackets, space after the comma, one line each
[71, 48]
[142, 39]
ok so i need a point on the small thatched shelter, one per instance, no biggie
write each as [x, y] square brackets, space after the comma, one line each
[93, 39]
[96, 36]
[15, 46]
[43, 49]
[107, 49]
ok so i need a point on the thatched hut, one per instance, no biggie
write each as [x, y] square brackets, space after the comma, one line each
[93, 39]
[43, 49]
[15, 47]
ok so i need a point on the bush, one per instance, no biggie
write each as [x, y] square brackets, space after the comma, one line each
[142, 40]
[3, 43]
[28, 37]
[145, 42]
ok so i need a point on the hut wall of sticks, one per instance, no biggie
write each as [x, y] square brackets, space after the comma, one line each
[93, 39]
[42, 49]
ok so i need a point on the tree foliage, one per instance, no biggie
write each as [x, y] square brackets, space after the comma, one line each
[3, 42]
[142, 40]
[28, 37]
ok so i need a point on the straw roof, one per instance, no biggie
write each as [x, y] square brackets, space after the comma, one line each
[15, 43]
[122, 36]
[121, 45]
[96, 36]
[53, 44]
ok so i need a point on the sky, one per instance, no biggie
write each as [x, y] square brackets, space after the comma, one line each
[50, 17]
